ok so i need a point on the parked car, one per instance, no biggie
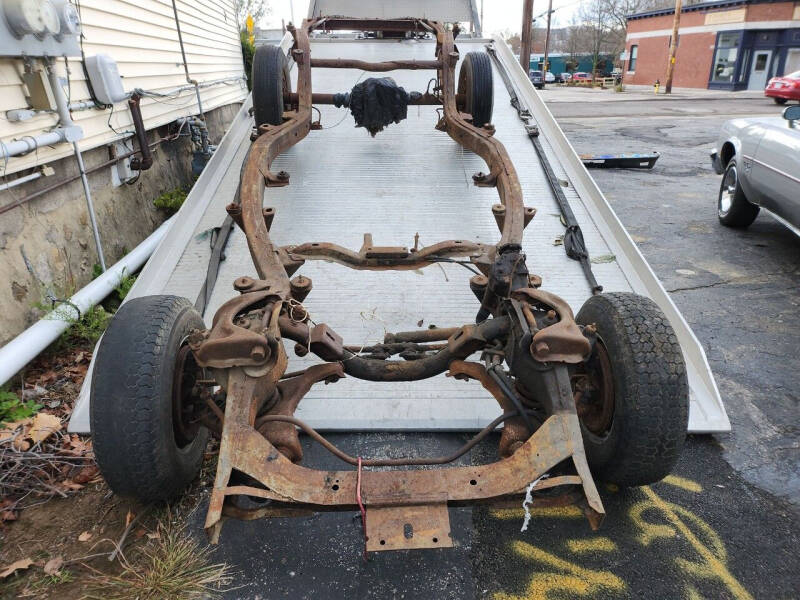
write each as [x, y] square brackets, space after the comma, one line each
[563, 77]
[781, 89]
[549, 77]
[580, 77]
[759, 160]
[536, 79]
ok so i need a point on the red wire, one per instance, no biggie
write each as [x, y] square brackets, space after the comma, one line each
[361, 507]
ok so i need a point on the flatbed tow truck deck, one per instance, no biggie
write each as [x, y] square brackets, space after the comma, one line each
[411, 187]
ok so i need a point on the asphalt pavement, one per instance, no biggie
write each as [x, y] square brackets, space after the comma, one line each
[724, 525]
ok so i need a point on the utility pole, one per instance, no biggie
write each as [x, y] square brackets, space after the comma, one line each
[546, 43]
[481, 17]
[525, 45]
[673, 47]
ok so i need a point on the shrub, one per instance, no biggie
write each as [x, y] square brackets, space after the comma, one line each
[171, 201]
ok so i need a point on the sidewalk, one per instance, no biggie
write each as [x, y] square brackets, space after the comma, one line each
[561, 93]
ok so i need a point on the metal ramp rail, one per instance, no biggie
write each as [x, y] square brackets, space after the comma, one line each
[409, 180]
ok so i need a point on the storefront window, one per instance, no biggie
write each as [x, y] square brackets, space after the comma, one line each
[725, 57]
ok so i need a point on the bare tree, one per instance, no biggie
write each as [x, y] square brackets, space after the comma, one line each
[512, 39]
[599, 28]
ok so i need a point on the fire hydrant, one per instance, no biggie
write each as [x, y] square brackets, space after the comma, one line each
[656, 85]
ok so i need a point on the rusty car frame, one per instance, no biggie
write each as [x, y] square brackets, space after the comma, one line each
[248, 399]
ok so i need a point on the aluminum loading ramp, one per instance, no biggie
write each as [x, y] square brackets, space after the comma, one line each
[409, 179]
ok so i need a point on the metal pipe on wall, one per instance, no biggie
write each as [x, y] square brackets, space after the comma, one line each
[20, 180]
[30, 143]
[66, 121]
[185, 64]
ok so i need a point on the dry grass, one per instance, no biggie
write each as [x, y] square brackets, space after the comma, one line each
[173, 566]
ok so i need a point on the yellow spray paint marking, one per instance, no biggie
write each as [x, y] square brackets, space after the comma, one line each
[686, 484]
[714, 556]
[561, 512]
[693, 594]
[599, 544]
[648, 531]
[571, 578]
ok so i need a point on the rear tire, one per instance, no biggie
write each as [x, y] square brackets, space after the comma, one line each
[733, 208]
[779, 100]
[142, 452]
[637, 365]
[270, 81]
[476, 86]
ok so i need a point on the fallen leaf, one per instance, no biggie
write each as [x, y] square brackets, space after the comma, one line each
[85, 536]
[9, 430]
[43, 426]
[71, 485]
[128, 518]
[154, 536]
[139, 533]
[24, 563]
[21, 444]
[33, 393]
[86, 474]
[53, 566]
[47, 376]
[8, 515]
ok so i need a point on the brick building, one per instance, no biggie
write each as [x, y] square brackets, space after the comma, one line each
[726, 44]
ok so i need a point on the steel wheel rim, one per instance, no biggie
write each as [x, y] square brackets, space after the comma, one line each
[727, 191]
[594, 394]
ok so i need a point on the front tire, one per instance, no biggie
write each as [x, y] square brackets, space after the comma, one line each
[733, 208]
[143, 446]
[632, 395]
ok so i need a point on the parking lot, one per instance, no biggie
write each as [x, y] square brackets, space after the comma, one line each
[724, 525]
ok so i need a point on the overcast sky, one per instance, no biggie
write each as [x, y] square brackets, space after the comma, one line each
[498, 15]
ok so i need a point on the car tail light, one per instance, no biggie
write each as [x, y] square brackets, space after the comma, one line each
[797, 84]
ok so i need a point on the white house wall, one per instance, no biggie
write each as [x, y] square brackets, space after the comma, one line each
[141, 36]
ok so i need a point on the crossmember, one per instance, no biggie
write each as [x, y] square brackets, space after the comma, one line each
[527, 338]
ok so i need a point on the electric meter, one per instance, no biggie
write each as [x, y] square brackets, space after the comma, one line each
[24, 17]
[70, 20]
[50, 18]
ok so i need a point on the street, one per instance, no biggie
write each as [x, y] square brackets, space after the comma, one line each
[724, 525]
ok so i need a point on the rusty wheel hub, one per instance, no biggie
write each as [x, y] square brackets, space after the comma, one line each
[594, 391]
[185, 395]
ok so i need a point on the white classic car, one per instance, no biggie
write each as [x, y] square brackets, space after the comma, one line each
[759, 160]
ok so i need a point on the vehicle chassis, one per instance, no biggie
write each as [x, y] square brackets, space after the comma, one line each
[533, 331]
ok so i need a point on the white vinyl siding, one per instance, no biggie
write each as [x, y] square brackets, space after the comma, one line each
[141, 36]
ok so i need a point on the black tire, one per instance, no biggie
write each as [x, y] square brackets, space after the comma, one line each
[733, 208]
[780, 100]
[476, 85]
[136, 445]
[641, 440]
[270, 80]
